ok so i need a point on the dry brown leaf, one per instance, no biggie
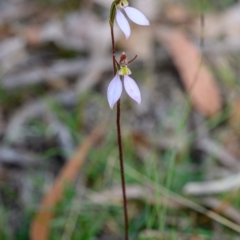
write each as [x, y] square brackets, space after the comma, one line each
[196, 77]
[41, 223]
[234, 119]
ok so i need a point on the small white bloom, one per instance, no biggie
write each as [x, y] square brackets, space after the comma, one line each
[135, 15]
[115, 87]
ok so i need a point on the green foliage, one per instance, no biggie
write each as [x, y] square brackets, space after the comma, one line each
[209, 6]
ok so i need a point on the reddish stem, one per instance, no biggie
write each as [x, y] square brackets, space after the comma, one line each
[119, 137]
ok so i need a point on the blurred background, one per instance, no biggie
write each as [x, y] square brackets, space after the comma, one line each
[59, 169]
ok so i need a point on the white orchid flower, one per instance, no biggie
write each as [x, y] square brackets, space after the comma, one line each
[115, 87]
[135, 15]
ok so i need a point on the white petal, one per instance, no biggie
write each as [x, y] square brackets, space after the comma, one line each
[136, 16]
[132, 89]
[114, 91]
[123, 23]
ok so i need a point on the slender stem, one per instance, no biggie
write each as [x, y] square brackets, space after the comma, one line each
[113, 51]
[122, 169]
[120, 142]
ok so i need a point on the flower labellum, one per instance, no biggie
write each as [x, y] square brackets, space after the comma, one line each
[133, 14]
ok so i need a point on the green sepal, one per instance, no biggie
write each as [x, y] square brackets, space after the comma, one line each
[117, 1]
[112, 13]
[113, 10]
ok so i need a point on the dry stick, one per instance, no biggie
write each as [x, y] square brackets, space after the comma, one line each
[120, 142]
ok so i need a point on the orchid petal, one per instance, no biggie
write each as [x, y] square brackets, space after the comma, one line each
[132, 89]
[123, 23]
[136, 16]
[114, 91]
